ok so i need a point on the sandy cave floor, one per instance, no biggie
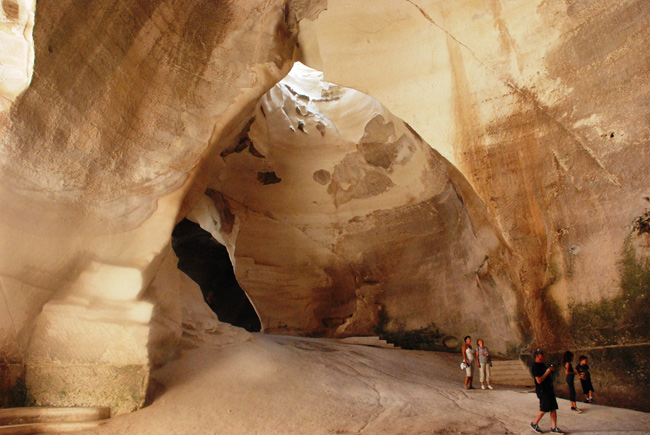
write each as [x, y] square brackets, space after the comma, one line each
[292, 385]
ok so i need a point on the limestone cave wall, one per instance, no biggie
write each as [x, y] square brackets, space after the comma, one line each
[543, 106]
[342, 221]
[468, 167]
[108, 113]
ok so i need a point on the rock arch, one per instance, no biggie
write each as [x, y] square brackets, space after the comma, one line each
[133, 107]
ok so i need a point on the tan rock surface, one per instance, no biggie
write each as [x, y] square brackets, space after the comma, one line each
[343, 221]
[543, 107]
[17, 55]
[97, 155]
[290, 385]
[115, 117]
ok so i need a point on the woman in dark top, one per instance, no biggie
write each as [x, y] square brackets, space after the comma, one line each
[567, 359]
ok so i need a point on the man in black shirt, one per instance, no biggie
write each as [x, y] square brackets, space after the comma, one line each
[545, 392]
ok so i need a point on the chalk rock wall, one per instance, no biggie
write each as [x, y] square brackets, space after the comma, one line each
[542, 105]
[118, 119]
[98, 149]
[341, 220]
[17, 55]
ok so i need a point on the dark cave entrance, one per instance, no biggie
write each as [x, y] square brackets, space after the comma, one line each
[206, 261]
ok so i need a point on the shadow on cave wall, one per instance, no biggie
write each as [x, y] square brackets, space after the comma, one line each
[615, 333]
[206, 261]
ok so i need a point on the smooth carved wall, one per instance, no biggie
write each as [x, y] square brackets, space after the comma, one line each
[119, 119]
[543, 106]
[342, 221]
[99, 148]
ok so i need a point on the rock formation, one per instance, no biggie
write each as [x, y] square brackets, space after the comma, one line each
[526, 222]
[341, 220]
[541, 105]
[98, 152]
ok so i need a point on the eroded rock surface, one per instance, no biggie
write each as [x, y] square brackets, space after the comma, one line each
[99, 148]
[119, 119]
[365, 227]
[542, 105]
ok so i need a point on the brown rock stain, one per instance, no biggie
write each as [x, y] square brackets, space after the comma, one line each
[506, 43]
[506, 176]
[353, 178]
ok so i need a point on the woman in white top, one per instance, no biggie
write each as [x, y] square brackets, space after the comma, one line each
[468, 358]
[484, 363]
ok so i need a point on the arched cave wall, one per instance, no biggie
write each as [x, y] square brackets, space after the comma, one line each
[543, 106]
[100, 149]
[113, 139]
[344, 222]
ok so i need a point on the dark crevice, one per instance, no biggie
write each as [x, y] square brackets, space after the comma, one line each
[206, 261]
[268, 178]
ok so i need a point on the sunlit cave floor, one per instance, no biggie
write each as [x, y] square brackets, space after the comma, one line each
[290, 385]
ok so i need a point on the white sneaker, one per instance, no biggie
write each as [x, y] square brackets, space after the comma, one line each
[482, 387]
[490, 387]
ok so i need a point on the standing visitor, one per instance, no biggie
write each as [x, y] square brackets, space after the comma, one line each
[484, 363]
[585, 379]
[468, 359]
[545, 392]
[567, 359]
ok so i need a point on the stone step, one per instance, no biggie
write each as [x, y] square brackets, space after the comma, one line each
[507, 366]
[511, 372]
[513, 383]
[513, 369]
[524, 379]
[511, 375]
[53, 428]
[507, 362]
[44, 415]
[18, 421]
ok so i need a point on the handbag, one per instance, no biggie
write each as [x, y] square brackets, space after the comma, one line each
[463, 366]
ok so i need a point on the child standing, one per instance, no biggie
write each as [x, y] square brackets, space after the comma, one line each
[567, 359]
[585, 379]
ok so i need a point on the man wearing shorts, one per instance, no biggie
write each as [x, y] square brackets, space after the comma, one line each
[545, 392]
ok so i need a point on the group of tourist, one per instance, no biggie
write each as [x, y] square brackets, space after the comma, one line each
[546, 393]
[542, 374]
[582, 370]
[482, 358]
